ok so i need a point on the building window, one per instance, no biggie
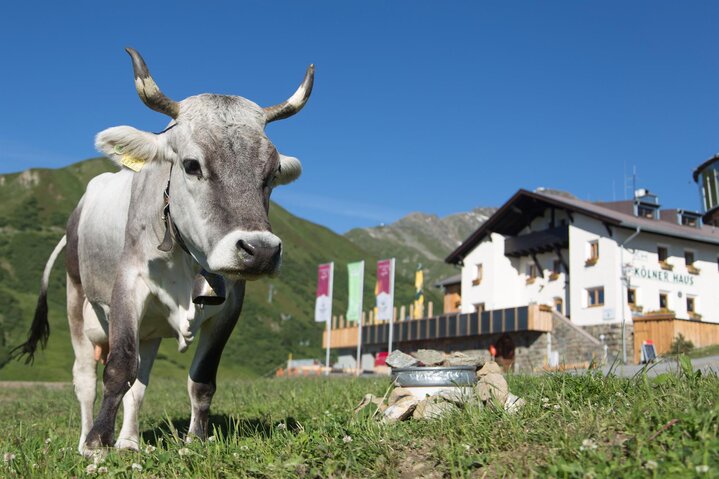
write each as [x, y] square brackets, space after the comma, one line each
[632, 300]
[663, 256]
[689, 261]
[663, 301]
[690, 221]
[595, 296]
[646, 212]
[478, 274]
[692, 308]
[532, 273]
[593, 255]
[556, 269]
[559, 305]
[632, 296]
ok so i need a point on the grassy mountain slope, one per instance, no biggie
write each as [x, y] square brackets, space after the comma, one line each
[421, 238]
[34, 206]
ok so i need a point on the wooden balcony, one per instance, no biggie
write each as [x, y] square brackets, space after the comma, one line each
[525, 318]
[538, 242]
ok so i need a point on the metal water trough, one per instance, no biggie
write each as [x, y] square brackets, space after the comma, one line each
[435, 376]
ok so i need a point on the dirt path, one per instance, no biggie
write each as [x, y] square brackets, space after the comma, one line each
[33, 384]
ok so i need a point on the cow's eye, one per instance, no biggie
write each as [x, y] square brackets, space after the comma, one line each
[192, 167]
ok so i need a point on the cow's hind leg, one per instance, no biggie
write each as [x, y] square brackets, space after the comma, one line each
[84, 370]
[129, 434]
[201, 383]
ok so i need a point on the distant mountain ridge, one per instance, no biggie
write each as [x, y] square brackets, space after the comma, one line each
[421, 238]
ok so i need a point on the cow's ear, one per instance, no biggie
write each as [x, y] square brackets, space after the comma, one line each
[130, 147]
[290, 170]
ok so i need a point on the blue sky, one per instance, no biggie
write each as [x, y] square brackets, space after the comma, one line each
[437, 107]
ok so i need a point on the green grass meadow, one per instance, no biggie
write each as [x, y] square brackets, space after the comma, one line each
[572, 426]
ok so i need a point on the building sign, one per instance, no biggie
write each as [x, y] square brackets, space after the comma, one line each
[662, 275]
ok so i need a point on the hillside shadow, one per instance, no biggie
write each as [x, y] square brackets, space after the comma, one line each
[219, 424]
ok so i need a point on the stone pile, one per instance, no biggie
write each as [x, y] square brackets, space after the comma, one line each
[402, 403]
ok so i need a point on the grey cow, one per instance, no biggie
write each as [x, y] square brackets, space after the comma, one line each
[189, 210]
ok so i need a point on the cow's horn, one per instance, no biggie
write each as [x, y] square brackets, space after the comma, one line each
[295, 102]
[148, 90]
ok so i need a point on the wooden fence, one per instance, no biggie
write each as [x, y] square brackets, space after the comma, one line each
[662, 329]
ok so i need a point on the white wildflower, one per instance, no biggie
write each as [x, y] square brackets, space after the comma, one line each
[588, 445]
[702, 469]
[98, 457]
[282, 426]
[557, 407]
[236, 455]
[651, 465]
[467, 447]
[136, 467]
[545, 400]
[8, 457]
[48, 440]
[211, 439]
[102, 470]
[149, 449]
[183, 451]
[347, 439]
[91, 469]
[244, 448]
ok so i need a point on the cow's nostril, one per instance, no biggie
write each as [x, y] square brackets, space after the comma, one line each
[246, 247]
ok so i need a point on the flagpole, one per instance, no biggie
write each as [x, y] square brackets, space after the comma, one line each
[359, 321]
[391, 307]
[329, 321]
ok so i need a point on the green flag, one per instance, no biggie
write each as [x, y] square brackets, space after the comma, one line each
[356, 282]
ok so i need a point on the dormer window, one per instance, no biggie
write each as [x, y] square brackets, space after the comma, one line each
[690, 218]
[646, 212]
[646, 204]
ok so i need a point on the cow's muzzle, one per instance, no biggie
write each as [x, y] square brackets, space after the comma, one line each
[247, 254]
[258, 256]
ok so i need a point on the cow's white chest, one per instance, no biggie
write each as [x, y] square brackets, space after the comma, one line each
[168, 310]
[171, 312]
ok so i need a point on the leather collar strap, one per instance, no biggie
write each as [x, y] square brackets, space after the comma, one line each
[172, 234]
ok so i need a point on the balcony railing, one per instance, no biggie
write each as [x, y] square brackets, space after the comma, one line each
[523, 318]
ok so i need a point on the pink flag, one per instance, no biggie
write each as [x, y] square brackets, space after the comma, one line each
[384, 290]
[323, 279]
[323, 303]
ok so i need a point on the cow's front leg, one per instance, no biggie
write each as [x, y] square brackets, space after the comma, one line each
[129, 437]
[126, 308]
[201, 383]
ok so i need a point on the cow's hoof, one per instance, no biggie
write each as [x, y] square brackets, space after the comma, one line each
[127, 444]
[95, 453]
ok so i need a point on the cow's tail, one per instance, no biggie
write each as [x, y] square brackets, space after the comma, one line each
[40, 328]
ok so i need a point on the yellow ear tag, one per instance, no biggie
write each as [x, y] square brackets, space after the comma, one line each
[135, 164]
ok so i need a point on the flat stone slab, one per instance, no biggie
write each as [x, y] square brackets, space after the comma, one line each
[429, 357]
[398, 359]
